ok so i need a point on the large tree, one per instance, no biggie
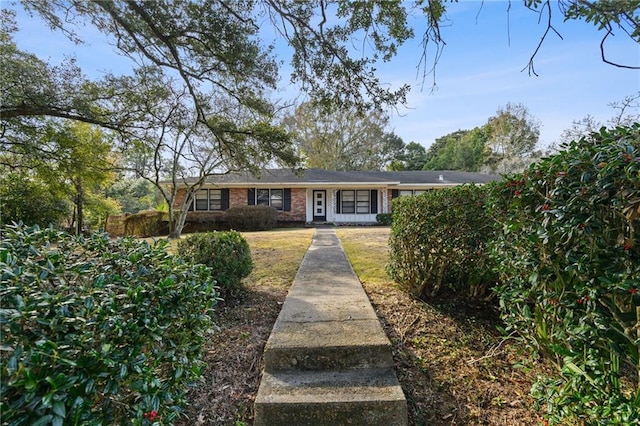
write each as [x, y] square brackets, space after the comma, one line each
[215, 45]
[413, 158]
[340, 140]
[513, 136]
[460, 150]
[211, 55]
[74, 161]
[178, 153]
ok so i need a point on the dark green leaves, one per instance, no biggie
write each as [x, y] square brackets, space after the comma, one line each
[97, 339]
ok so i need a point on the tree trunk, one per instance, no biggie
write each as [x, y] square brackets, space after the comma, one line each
[79, 206]
[177, 221]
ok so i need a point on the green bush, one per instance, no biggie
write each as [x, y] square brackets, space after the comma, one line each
[569, 262]
[98, 331]
[252, 218]
[226, 253]
[438, 241]
[384, 218]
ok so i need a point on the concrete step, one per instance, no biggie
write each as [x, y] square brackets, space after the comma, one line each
[327, 346]
[369, 397]
[321, 332]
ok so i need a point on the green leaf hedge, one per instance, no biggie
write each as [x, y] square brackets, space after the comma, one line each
[98, 331]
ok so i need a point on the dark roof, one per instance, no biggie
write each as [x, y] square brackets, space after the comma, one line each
[318, 176]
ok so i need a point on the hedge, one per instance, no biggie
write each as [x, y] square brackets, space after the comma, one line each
[252, 218]
[438, 241]
[98, 331]
[569, 263]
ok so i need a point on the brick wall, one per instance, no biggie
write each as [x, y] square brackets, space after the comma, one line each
[238, 197]
[298, 211]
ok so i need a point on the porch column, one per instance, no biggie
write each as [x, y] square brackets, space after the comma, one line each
[385, 200]
[334, 196]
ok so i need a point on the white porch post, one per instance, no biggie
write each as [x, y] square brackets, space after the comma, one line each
[385, 200]
[334, 196]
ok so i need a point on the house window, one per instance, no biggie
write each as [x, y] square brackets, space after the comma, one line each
[348, 202]
[270, 197]
[406, 192]
[362, 202]
[207, 199]
[357, 202]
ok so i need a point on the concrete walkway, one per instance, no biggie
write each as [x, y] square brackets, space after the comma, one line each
[327, 360]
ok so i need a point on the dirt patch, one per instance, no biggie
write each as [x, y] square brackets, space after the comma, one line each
[454, 372]
[230, 381]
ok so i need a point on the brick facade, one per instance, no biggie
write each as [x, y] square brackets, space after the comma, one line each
[298, 212]
[238, 197]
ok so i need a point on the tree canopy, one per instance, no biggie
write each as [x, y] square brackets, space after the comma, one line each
[342, 140]
[215, 49]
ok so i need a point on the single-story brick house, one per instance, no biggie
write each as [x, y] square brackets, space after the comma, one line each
[318, 196]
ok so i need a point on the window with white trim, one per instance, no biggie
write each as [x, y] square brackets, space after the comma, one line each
[354, 201]
[270, 197]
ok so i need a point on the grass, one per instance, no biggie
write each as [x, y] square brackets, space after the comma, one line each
[277, 255]
[453, 365]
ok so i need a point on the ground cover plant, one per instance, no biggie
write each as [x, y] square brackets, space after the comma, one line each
[98, 331]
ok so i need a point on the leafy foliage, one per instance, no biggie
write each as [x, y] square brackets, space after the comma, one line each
[226, 253]
[251, 218]
[438, 241]
[26, 198]
[413, 157]
[134, 195]
[341, 140]
[98, 331]
[384, 218]
[569, 262]
[460, 150]
[513, 136]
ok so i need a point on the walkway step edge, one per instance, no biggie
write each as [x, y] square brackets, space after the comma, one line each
[354, 397]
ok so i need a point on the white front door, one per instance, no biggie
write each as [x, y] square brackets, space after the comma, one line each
[319, 206]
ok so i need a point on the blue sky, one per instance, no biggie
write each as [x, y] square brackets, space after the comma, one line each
[478, 72]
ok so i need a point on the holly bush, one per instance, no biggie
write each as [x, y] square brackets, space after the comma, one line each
[438, 241]
[98, 331]
[227, 253]
[569, 265]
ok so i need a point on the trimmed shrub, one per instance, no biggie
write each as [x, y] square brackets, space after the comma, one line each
[98, 331]
[226, 253]
[569, 262]
[252, 218]
[438, 241]
[145, 224]
[384, 218]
